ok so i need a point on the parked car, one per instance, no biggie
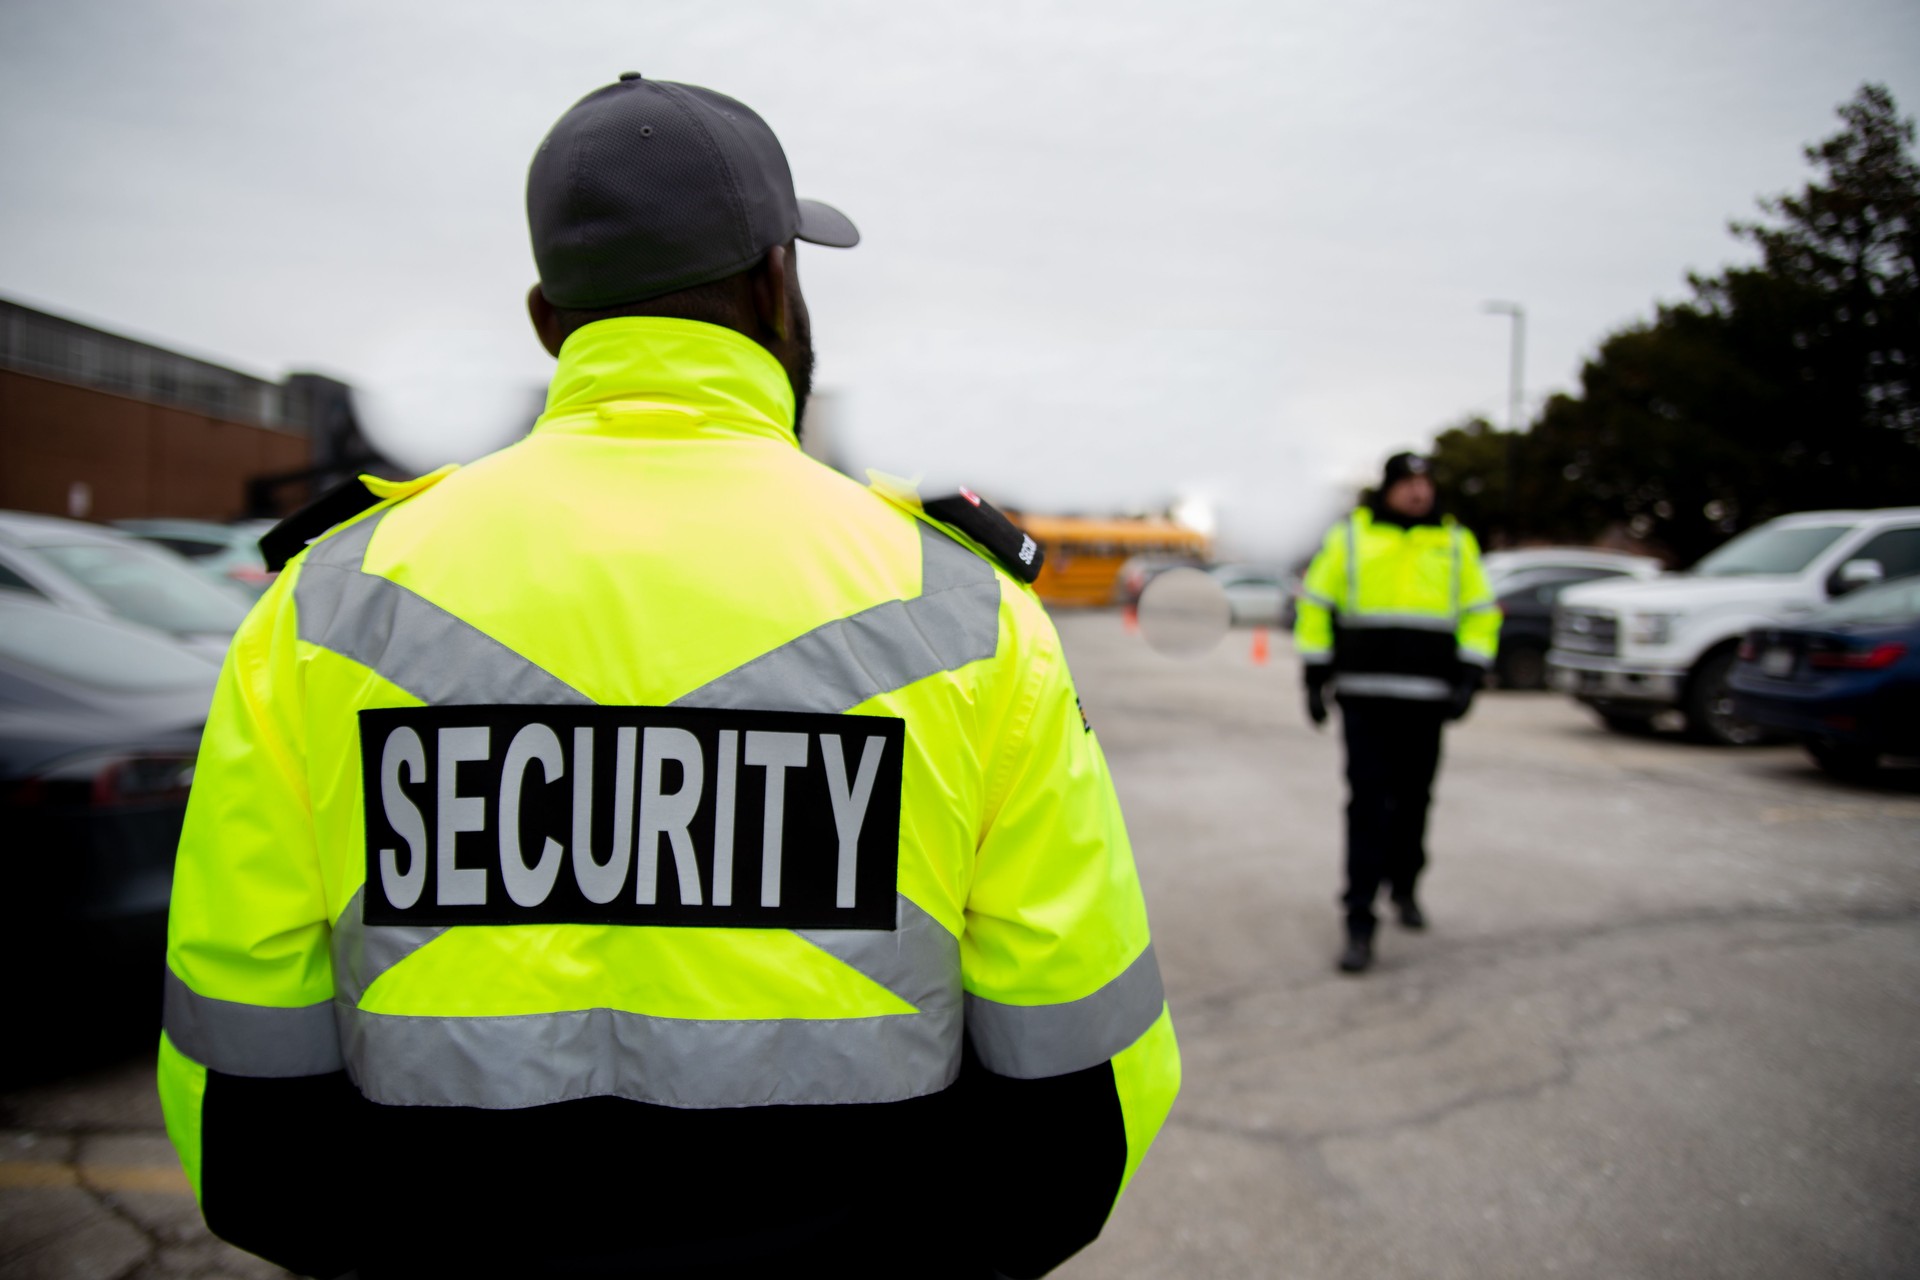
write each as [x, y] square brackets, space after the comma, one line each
[230, 553]
[1527, 584]
[1501, 566]
[104, 573]
[99, 724]
[1633, 649]
[1138, 571]
[1257, 595]
[1845, 682]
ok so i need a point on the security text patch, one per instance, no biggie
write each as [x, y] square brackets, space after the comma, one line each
[631, 815]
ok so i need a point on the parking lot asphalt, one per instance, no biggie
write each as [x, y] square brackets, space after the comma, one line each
[1666, 1022]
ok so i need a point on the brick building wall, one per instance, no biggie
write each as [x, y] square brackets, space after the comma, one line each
[132, 456]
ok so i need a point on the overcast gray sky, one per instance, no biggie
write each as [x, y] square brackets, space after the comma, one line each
[1115, 252]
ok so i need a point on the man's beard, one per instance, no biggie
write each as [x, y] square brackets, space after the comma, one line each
[800, 376]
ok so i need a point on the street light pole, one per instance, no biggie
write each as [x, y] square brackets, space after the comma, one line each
[1516, 397]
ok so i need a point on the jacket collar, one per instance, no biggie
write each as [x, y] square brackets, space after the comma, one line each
[649, 377]
[1373, 512]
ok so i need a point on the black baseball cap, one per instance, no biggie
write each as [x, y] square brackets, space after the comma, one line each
[1402, 465]
[647, 187]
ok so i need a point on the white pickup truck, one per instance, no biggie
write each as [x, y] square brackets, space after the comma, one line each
[1632, 649]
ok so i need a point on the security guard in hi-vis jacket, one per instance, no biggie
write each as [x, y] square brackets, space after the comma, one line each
[1396, 620]
[644, 851]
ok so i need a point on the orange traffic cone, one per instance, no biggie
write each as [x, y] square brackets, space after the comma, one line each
[1130, 619]
[1259, 646]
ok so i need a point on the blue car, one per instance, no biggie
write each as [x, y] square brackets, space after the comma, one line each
[1846, 681]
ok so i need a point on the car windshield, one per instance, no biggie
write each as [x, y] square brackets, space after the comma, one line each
[1517, 577]
[102, 655]
[1770, 550]
[1889, 602]
[1530, 580]
[148, 587]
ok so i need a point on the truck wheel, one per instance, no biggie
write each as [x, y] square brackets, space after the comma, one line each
[1848, 763]
[1709, 705]
[1524, 666]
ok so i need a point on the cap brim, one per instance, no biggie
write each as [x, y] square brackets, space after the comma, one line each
[824, 224]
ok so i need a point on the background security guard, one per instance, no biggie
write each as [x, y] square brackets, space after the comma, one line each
[1396, 618]
[644, 851]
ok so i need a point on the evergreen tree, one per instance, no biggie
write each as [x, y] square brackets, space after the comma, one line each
[1783, 386]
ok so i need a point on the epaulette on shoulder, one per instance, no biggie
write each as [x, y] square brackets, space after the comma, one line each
[337, 506]
[980, 520]
[290, 537]
[981, 525]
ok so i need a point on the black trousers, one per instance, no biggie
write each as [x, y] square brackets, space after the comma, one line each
[1393, 751]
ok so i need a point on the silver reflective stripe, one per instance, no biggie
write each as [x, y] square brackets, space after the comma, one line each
[362, 952]
[1476, 657]
[526, 1061]
[1316, 657]
[1396, 622]
[1353, 561]
[250, 1039]
[919, 961]
[841, 664]
[405, 637]
[1029, 1042]
[1453, 586]
[1382, 685]
[1485, 606]
[1314, 597]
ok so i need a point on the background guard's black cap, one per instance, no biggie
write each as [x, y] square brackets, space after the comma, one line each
[1402, 465]
[647, 187]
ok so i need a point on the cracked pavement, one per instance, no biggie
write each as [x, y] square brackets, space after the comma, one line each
[1665, 1023]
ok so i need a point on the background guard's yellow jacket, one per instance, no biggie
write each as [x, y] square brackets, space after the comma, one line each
[1398, 611]
[440, 989]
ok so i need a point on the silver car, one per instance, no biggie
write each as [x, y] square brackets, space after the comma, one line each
[228, 553]
[103, 573]
[1257, 595]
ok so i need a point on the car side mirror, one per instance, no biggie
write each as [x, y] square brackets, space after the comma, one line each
[1855, 574]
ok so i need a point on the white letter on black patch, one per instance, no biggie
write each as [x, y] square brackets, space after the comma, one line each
[600, 882]
[528, 886]
[403, 748]
[668, 814]
[849, 805]
[723, 818]
[776, 752]
[459, 886]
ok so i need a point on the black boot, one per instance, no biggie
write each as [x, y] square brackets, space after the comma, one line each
[1411, 917]
[1358, 957]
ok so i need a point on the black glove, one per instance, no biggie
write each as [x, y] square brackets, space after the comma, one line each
[1317, 677]
[1465, 685]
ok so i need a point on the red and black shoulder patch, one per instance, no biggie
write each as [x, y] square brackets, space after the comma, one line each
[980, 520]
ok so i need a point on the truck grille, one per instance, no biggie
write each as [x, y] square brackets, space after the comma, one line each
[1586, 631]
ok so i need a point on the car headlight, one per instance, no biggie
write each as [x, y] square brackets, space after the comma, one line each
[1651, 628]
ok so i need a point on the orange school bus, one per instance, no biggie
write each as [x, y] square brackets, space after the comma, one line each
[1084, 555]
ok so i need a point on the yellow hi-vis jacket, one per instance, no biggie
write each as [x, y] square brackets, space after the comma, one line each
[489, 812]
[1397, 612]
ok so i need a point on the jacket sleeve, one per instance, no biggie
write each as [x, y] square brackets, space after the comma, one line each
[1478, 635]
[250, 1070]
[1322, 592]
[1072, 1061]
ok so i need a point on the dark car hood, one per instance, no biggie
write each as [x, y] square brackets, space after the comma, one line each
[32, 739]
[1907, 633]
